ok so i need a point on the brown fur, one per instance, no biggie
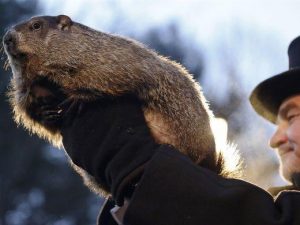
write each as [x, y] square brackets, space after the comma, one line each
[87, 63]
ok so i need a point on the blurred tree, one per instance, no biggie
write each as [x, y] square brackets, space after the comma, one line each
[170, 42]
[37, 186]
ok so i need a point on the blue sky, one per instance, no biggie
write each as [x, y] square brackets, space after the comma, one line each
[205, 20]
[277, 16]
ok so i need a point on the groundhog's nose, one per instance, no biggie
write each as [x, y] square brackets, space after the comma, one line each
[10, 43]
[9, 39]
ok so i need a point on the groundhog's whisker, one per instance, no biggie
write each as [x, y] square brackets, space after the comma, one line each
[2, 56]
[6, 64]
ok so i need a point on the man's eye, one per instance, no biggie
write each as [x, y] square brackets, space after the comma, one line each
[293, 116]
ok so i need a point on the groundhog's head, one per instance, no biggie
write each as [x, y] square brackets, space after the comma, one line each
[42, 46]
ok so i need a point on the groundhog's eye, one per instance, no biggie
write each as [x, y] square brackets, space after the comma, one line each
[36, 26]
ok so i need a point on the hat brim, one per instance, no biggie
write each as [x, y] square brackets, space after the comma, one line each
[267, 97]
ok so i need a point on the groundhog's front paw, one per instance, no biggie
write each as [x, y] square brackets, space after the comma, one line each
[46, 112]
[50, 115]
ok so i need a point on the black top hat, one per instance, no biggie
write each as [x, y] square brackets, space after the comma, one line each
[267, 97]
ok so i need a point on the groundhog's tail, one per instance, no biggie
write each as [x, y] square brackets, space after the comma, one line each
[229, 161]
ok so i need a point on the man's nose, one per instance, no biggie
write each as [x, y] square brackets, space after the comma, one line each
[278, 138]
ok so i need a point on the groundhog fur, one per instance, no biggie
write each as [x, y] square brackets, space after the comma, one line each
[55, 56]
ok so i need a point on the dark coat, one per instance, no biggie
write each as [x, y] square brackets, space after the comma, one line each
[174, 191]
[274, 191]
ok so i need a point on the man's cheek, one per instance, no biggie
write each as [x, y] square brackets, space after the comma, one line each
[293, 132]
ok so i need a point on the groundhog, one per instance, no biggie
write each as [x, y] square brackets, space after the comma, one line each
[56, 58]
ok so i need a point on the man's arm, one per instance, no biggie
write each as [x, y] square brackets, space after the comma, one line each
[173, 190]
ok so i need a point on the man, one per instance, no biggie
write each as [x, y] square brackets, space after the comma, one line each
[277, 99]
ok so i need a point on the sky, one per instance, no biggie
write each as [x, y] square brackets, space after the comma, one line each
[276, 16]
[205, 20]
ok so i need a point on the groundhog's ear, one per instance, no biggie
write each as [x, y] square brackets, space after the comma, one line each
[64, 22]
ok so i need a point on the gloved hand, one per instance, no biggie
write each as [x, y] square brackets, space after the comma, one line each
[110, 140]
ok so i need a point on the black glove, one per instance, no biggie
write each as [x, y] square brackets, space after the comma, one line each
[110, 140]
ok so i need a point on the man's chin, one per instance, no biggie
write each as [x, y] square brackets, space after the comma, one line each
[295, 179]
[286, 177]
[289, 166]
[291, 175]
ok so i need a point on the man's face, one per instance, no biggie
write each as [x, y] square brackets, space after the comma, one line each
[286, 139]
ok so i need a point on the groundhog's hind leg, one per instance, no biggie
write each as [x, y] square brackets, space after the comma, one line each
[159, 128]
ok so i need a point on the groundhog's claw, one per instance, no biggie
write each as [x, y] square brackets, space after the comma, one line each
[69, 109]
[49, 114]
